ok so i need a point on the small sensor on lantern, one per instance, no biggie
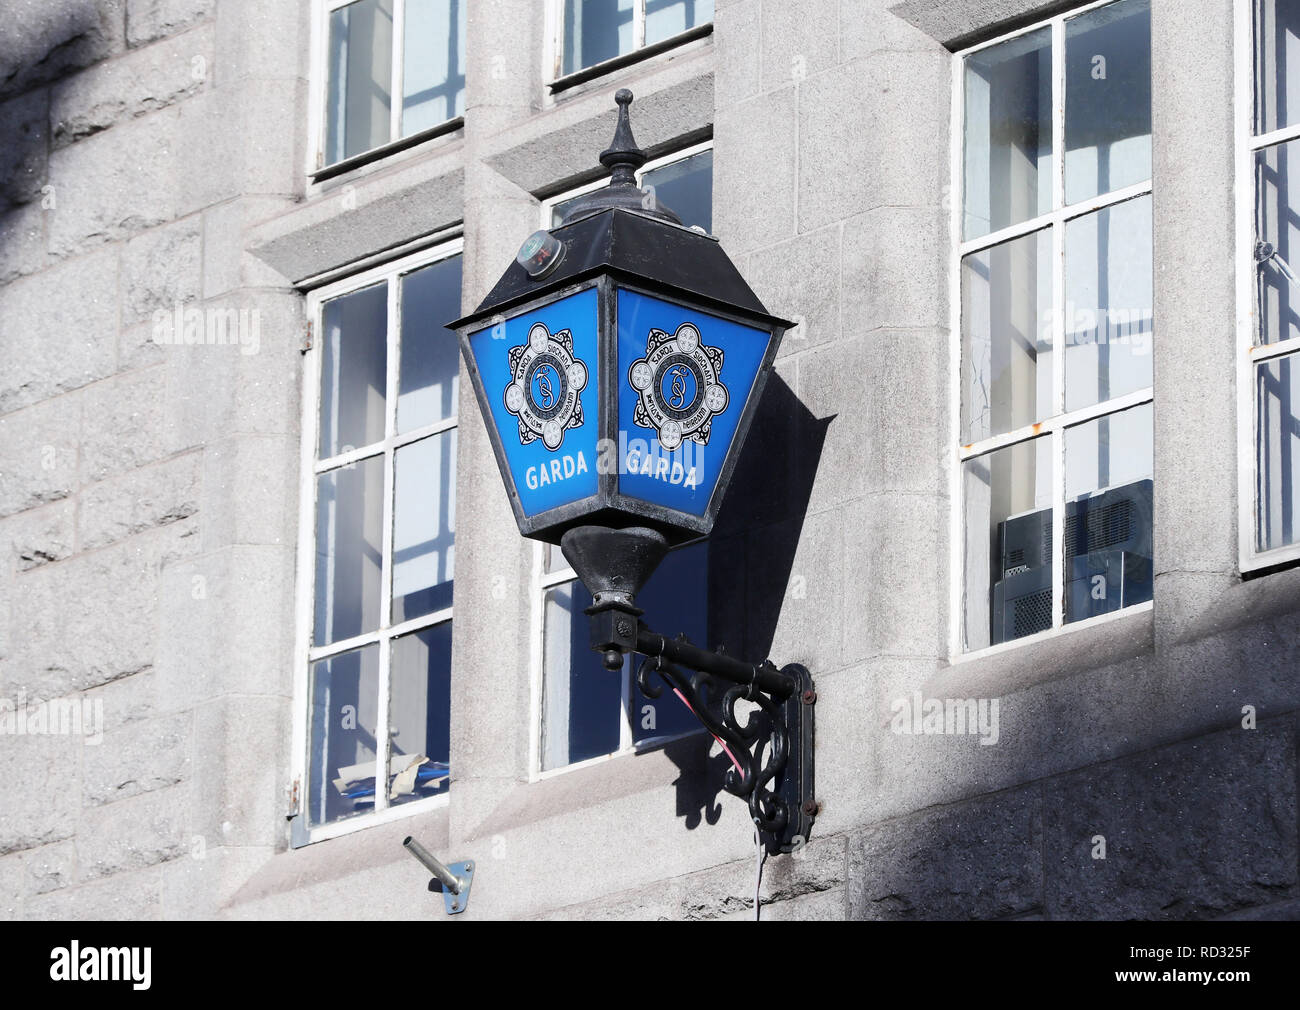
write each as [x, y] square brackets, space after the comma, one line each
[540, 254]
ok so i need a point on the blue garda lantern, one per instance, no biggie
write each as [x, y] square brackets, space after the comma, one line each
[619, 362]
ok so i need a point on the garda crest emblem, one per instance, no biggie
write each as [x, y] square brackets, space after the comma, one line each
[680, 384]
[543, 392]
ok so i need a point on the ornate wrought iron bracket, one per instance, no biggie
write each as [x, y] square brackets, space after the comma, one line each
[770, 745]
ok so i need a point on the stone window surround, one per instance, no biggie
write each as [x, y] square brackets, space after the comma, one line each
[316, 169]
[392, 207]
[553, 72]
[1250, 356]
[960, 25]
[1052, 425]
[306, 655]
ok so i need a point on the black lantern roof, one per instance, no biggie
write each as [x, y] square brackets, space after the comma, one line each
[640, 249]
[621, 231]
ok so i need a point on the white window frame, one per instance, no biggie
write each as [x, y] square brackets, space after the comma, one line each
[1054, 425]
[319, 87]
[1249, 355]
[554, 70]
[304, 653]
[543, 581]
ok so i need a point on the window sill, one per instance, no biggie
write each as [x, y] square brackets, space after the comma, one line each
[1046, 636]
[642, 747]
[385, 150]
[301, 836]
[629, 59]
[1102, 641]
[684, 763]
[1254, 566]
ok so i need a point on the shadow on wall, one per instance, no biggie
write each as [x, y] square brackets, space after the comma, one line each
[41, 43]
[751, 554]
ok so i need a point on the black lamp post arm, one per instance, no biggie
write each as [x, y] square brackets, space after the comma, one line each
[764, 676]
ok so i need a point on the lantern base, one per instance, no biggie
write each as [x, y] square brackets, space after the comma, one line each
[613, 564]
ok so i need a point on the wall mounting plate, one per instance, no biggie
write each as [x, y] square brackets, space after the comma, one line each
[456, 903]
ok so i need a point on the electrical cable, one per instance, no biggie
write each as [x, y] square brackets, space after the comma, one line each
[758, 842]
[722, 743]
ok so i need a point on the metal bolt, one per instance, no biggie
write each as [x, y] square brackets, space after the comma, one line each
[469, 866]
[455, 906]
[809, 696]
[810, 807]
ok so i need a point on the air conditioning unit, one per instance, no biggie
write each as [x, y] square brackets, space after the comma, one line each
[1022, 597]
[1108, 550]
[1108, 553]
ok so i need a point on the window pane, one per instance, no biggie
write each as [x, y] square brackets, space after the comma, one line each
[582, 702]
[433, 89]
[349, 543]
[686, 188]
[360, 77]
[1277, 229]
[1008, 553]
[594, 31]
[1108, 468]
[560, 209]
[354, 370]
[430, 368]
[419, 714]
[424, 526]
[344, 709]
[665, 18]
[1277, 451]
[1006, 336]
[1108, 314]
[1107, 99]
[553, 559]
[1277, 64]
[1008, 144]
[676, 600]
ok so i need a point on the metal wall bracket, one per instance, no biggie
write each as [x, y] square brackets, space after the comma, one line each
[772, 749]
[453, 881]
[455, 901]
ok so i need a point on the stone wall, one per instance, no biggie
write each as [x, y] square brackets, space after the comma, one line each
[148, 494]
[146, 489]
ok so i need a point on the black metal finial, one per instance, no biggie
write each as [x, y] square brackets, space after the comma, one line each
[623, 157]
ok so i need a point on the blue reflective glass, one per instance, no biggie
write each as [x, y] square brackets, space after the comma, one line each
[539, 373]
[685, 377]
[596, 31]
[676, 601]
[582, 702]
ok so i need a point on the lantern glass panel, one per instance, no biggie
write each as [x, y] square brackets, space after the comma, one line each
[540, 378]
[685, 376]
